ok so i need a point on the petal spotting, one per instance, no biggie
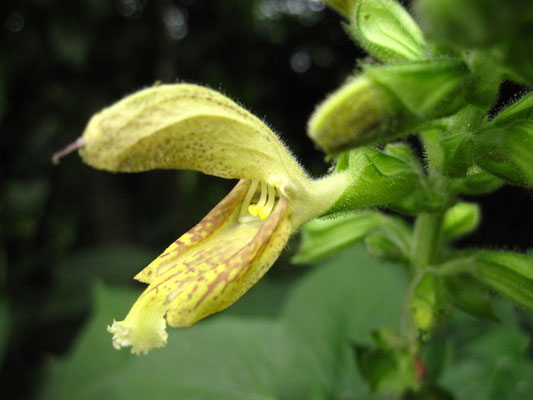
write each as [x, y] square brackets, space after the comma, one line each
[184, 126]
[204, 271]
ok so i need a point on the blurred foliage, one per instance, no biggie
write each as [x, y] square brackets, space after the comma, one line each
[301, 352]
[63, 228]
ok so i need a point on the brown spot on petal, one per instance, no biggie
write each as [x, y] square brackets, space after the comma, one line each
[240, 262]
[212, 222]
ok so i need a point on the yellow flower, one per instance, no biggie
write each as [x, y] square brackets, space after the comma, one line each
[207, 269]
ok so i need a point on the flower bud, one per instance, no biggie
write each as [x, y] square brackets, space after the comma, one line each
[386, 31]
[350, 116]
[460, 220]
[505, 146]
[428, 304]
[386, 101]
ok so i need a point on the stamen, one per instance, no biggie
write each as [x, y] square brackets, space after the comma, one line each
[265, 211]
[265, 203]
[254, 209]
[248, 198]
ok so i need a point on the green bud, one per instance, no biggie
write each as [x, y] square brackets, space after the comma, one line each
[350, 116]
[388, 101]
[460, 220]
[506, 150]
[428, 304]
[387, 32]
[510, 274]
[324, 237]
[376, 179]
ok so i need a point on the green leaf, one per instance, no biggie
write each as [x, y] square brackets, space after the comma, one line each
[388, 366]
[341, 302]
[521, 109]
[392, 241]
[75, 376]
[460, 220]
[431, 392]
[519, 263]
[324, 237]
[76, 275]
[469, 295]
[304, 353]
[490, 358]
[387, 31]
[510, 274]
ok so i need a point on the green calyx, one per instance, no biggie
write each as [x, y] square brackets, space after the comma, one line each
[387, 31]
[505, 146]
[376, 178]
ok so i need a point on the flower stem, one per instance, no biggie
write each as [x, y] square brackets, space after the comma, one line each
[426, 241]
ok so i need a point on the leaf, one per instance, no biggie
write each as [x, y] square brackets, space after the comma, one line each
[74, 376]
[510, 274]
[324, 237]
[469, 295]
[341, 302]
[76, 275]
[492, 363]
[302, 354]
[388, 366]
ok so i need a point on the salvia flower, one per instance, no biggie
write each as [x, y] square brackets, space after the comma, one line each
[185, 126]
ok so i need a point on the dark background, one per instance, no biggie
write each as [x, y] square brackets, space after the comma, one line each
[61, 61]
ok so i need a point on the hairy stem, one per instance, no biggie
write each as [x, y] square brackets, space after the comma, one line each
[426, 241]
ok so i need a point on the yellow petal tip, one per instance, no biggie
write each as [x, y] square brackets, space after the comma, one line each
[141, 337]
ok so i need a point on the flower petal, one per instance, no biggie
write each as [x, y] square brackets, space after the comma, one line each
[220, 285]
[219, 217]
[185, 126]
[206, 273]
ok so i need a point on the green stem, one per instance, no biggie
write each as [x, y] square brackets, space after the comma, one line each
[426, 240]
[426, 243]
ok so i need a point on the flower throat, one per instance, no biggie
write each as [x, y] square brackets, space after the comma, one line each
[259, 200]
